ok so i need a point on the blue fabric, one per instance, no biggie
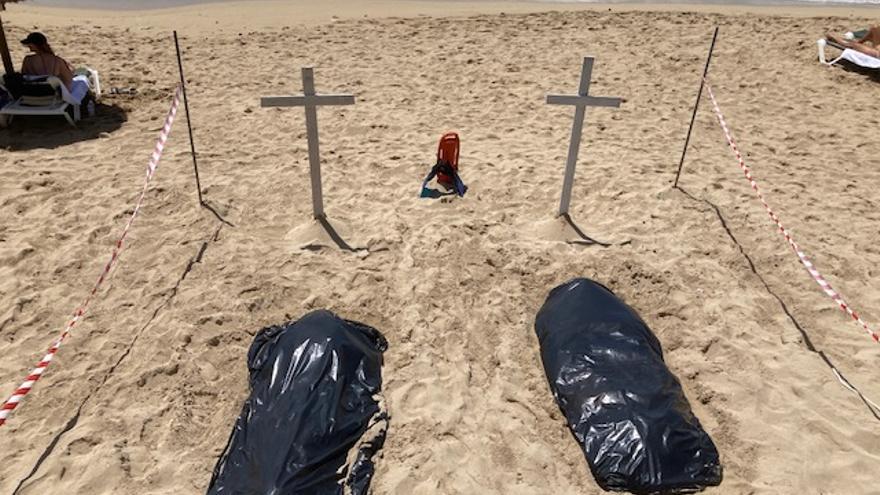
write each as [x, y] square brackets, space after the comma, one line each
[457, 185]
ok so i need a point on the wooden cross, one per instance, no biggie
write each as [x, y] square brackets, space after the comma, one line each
[580, 102]
[310, 101]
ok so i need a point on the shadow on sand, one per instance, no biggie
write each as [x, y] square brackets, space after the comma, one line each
[582, 237]
[336, 238]
[39, 132]
[435, 194]
[216, 213]
[872, 74]
[318, 234]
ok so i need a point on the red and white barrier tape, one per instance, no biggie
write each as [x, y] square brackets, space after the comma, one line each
[37, 372]
[826, 287]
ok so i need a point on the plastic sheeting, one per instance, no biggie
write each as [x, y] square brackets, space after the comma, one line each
[312, 412]
[623, 405]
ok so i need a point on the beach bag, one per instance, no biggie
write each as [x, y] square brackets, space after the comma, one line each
[13, 82]
[623, 405]
[313, 420]
[41, 91]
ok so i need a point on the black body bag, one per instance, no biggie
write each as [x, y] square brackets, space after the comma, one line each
[313, 420]
[623, 405]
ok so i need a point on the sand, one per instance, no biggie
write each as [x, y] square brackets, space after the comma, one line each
[142, 396]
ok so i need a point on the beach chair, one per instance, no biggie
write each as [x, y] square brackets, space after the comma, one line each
[446, 169]
[92, 77]
[47, 95]
[861, 59]
[447, 151]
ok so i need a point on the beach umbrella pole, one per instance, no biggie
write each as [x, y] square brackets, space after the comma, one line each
[696, 106]
[192, 143]
[4, 49]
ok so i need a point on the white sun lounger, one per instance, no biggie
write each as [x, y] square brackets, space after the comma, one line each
[57, 104]
[856, 57]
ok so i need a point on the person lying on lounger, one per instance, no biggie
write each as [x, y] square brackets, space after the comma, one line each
[44, 62]
[861, 44]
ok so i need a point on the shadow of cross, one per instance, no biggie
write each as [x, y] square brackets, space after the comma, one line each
[311, 102]
[580, 102]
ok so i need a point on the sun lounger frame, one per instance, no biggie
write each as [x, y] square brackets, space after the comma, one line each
[57, 108]
[822, 43]
[60, 108]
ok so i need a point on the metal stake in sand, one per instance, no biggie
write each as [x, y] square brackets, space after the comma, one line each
[192, 143]
[696, 106]
[581, 101]
[310, 101]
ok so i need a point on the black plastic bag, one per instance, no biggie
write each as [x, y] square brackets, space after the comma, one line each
[314, 385]
[623, 405]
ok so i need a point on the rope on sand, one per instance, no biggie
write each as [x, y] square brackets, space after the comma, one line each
[826, 287]
[15, 399]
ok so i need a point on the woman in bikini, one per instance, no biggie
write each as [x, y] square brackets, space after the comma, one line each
[873, 37]
[43, 61]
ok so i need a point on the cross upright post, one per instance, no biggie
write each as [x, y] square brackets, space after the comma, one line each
[580, 102]
[310, 100]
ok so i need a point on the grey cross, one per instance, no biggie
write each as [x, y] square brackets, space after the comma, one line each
[310, 101]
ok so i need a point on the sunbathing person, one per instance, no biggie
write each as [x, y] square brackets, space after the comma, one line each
[44, 62]
[860, 45]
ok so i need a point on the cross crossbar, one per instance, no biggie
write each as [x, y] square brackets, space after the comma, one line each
[310, 101]
[306, 100]
[580, 101]
[586, 101]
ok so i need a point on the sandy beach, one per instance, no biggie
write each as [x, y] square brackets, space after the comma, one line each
[142, 396]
